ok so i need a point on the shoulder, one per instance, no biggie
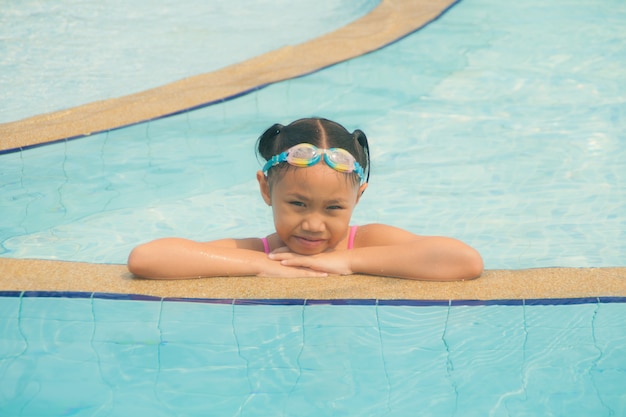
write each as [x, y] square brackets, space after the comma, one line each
[377, 234]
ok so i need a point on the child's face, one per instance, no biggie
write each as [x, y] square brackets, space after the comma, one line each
[312, 207]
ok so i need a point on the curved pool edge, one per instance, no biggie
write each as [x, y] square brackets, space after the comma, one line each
[390, 21]
[539, 283]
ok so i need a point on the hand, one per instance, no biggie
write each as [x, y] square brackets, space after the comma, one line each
[274, 268]
[331, 262]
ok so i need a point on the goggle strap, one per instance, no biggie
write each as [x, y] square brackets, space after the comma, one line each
[275, 160]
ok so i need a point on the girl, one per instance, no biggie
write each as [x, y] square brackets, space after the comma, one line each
[315, 174]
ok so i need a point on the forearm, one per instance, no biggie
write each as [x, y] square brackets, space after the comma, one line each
[430, 259]
[180, 258]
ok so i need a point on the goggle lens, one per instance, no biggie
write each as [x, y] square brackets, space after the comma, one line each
[339, 159]
[303, 155]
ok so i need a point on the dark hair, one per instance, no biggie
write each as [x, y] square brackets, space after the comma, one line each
[322, 133]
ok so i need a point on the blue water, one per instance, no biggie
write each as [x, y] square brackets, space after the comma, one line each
[501, 124]
[55, 55]
[99, 356]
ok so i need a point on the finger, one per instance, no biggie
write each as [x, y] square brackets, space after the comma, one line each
[310, 273]
[303, 262]
[293, 272]
[306, 272]
[281, 256]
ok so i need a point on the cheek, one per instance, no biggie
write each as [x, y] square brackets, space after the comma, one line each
[339, 227]
[282, 216]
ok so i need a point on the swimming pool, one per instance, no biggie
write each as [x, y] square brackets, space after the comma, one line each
[102, 354]
[519, 154]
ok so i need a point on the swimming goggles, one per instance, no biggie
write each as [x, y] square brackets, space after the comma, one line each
[305, 155]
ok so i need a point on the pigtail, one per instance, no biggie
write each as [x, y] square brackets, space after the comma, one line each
[364, 151]
[360, 137]
[266, 144]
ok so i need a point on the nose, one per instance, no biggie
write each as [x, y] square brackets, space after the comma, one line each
[314, 223]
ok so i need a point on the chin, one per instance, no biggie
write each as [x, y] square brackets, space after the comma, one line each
[305, 251]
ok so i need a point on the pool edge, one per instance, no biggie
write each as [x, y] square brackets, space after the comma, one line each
[539, 283]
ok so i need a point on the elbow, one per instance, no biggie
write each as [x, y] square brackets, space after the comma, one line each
[138, 262]
[465, 265]
[473, 266]
[474, 272]
[155, 260]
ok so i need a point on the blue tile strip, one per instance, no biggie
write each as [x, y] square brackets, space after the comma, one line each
[336, 302]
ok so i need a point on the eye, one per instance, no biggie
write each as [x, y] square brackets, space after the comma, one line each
[296, 203]
[335, 207]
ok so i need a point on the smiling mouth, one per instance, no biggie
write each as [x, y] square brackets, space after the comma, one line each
[309, 242]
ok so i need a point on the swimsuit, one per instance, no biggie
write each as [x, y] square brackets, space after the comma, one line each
[266, 245]
[351, 237]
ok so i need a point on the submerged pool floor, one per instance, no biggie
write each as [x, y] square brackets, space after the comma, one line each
[238, 358]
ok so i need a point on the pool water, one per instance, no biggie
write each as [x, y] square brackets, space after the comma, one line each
[104, 49]
[487, 125]
[94, 354]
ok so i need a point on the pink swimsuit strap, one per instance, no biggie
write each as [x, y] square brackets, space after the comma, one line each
[266, 244]
[351, 237]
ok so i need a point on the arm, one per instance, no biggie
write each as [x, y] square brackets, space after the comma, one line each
[389, 251]
[175, 258]
[430, 258]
